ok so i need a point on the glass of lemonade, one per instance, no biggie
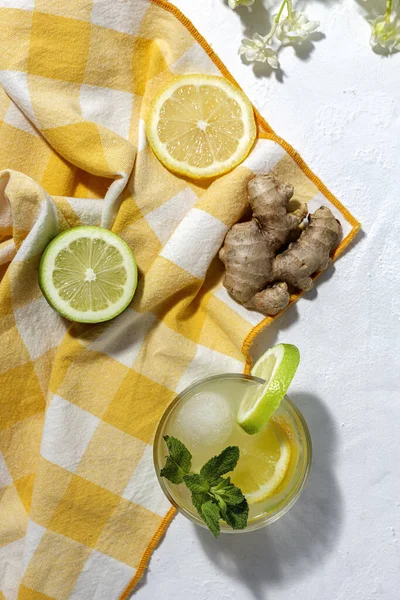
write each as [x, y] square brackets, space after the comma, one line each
[274, 463]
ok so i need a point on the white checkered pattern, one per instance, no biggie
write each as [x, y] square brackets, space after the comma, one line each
[124, 337]
[143, 486]
[67, 432]
[195, 242]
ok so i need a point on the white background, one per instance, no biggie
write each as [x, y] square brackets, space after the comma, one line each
[340, 108]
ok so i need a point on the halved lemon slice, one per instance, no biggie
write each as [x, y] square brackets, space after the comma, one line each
[201, 126]
[263, 463]
[88, 274]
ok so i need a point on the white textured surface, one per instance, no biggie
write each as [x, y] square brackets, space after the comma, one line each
[340, 109]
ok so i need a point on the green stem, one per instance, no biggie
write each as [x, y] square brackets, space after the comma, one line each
[278, 16]
[389, 4]
[289, 8]
[271, 32]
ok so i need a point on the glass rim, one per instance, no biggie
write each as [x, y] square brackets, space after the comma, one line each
[258, 522]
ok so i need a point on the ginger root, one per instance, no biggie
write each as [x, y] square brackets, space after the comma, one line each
[257, 275]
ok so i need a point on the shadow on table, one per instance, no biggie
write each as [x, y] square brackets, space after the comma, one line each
[372, 8]
[300, 541]
[269, 335]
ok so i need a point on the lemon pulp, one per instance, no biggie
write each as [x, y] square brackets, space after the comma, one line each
[201, 126]
[263, 463]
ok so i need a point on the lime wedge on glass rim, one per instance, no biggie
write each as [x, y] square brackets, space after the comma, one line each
[277, 366]
[88, 274]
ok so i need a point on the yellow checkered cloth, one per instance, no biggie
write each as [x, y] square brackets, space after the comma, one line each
[80, 507]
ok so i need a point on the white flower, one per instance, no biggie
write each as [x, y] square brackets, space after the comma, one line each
[257, 49]
[236, 3]
[385, 34]
[295, 27]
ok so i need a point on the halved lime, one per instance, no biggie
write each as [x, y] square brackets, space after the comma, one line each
[88, 274]
[277, 366]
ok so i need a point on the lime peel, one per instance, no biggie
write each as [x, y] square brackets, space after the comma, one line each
[277, 366]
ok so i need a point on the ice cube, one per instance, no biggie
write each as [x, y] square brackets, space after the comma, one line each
[204, 423]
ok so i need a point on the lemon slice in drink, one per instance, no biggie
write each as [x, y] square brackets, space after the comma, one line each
[88, 274]
[277, 366]
[201, 126]
[263, 463]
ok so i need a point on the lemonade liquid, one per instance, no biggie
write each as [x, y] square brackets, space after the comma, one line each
[204, 419]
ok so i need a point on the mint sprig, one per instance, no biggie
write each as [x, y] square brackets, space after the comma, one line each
[178, 462]
[213, 496]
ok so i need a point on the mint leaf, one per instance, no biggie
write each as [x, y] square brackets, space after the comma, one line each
[196, 484]
[198, 500]
[232, 503]
[172, 471]
[221, 464]
[178, 462]
[236, 515]
[210, 514]
[199, 489]
[227, 491]
[179, 453]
